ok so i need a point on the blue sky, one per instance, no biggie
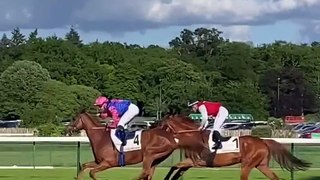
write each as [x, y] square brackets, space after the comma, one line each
[158, 21]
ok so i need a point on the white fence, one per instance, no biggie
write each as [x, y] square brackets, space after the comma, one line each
[84, 139]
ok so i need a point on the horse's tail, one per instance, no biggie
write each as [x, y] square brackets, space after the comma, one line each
[284, 158]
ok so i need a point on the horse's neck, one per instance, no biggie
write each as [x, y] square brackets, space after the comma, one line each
[96, 141]
[94, 135]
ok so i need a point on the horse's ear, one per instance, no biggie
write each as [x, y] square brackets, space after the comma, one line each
[83, 110]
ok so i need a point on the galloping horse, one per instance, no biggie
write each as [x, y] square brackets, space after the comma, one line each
[251, 152]
[151, 146]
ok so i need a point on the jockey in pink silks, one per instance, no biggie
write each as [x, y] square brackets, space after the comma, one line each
[121, 111]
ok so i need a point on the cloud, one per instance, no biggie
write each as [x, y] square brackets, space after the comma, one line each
[119, 16]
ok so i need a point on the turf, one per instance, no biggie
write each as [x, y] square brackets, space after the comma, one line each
[64, 155]
[129, 173]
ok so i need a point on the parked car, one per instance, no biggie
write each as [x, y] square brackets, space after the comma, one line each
[236, 126]
[303, 128]
[309, 129]
[308, 134]
[140, 125]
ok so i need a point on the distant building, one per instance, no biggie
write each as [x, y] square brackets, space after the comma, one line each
[10, 123]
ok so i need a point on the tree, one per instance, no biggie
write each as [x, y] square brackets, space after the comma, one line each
[5, 41]
[17, 37]
[85, 95]
[18, 85]
[33, 36]
[73, 37]
[289, 93]
[244, 97]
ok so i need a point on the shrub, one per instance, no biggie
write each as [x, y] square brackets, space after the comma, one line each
[51, 130]
[262, 131]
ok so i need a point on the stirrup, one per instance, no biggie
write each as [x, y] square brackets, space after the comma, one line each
[217, 145]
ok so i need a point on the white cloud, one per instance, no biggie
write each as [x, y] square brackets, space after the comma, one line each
[119, 16]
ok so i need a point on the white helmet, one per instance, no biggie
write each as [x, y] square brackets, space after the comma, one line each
[189, 105]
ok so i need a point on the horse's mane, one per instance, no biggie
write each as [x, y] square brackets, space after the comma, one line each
[85, 112]
[177, 117]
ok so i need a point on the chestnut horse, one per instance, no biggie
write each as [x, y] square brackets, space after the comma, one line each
[253, 153]
[156, 145]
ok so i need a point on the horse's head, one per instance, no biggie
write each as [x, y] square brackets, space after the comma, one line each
[83, 120]
[180, 123]
[185, 131]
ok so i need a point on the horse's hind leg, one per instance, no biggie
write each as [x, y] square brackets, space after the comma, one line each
[182, 167]
[245, 171]
[264, 168]
[267, 172]
[84, 167]
[172, 169]
[100, 167]
[180, 172]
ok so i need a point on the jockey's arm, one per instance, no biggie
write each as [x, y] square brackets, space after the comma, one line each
[115, 114]
[203, 110]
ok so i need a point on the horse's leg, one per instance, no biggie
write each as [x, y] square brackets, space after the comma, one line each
[147, 162]
[180, 172]
[267, 172]
[100, 167]
[263, 167]
[172, 169]
[245, 171]
[84, 167]
[153, 168]
[183, 164]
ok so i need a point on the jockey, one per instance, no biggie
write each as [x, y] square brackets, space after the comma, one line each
[216, 110]
[121, 111]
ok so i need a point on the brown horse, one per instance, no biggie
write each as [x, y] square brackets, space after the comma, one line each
[156, 145]
[252, 152]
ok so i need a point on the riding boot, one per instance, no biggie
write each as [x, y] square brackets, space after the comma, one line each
[217, 140]
[120, 132]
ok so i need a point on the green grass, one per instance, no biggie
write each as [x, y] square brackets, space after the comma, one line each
[126, 174]
[64, 155]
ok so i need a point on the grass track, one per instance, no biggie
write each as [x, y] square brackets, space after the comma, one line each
[64, 155]
[128, 173]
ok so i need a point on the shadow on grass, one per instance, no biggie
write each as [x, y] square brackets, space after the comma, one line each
[312, 178]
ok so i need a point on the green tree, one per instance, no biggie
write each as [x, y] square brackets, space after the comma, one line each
[17, 37]
[18, 85]
[73, 37]
[244, 97]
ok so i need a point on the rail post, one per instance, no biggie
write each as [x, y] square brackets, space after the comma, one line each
[292, 171]
[34, 154]
[181, 158]
[78, 158]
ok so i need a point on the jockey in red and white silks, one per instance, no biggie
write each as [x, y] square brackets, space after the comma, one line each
[215, 109]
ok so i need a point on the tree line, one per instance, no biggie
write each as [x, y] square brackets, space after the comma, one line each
[45, 80]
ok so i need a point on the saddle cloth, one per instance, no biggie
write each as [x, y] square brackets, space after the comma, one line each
[133, 139]
[229, 144]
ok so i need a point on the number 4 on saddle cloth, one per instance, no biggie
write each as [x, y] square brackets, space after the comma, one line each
[132, 138]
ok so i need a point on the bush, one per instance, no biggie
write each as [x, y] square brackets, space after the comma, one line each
[262, 131]
[51, 130]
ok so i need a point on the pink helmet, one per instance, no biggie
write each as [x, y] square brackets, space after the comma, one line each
[100, 101]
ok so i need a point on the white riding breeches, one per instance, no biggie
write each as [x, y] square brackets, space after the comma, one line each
[220, 118]
[132, 111]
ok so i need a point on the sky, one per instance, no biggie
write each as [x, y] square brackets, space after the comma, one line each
[146, 22]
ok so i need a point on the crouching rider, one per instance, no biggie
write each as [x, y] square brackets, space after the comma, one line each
[122, 112]
[215, 109]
